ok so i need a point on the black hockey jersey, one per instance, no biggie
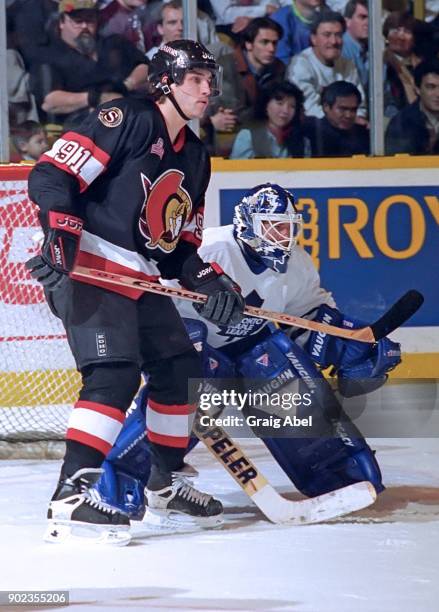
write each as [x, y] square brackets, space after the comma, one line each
[141, 197]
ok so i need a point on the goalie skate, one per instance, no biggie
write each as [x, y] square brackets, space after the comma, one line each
[174, 502]
[77, 515]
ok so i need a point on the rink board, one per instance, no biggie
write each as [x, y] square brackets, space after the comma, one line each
[371, 228]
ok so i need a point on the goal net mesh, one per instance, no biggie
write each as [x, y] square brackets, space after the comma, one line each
[38, 380]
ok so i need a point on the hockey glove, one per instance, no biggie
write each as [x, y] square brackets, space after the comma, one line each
[225, 303]
[59, 250]
[360, 367]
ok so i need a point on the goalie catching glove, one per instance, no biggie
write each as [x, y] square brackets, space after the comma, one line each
[59, 250]
[225, 303]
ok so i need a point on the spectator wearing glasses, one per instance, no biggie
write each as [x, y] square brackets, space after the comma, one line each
[86, 70]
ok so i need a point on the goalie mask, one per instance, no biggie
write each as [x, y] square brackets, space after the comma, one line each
[267, 221]
[174, 59]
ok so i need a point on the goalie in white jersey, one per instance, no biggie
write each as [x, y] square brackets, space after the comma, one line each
[260, 248]
[260, 251]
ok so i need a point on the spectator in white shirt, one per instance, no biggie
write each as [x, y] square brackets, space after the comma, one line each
[235, 15]
[322, 64]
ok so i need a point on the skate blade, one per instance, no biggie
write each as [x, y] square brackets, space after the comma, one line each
[171, 519]
[58, 532]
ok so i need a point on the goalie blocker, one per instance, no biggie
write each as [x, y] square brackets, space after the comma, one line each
[335, 456]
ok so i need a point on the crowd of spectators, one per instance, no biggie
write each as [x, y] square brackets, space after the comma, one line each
[295, 72]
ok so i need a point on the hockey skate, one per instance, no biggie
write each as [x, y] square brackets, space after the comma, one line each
[171, 498]
[77, 515]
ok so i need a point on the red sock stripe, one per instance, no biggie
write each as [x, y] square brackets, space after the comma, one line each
[113, 413]
[178, 409]
[85, 438]
[174, 441]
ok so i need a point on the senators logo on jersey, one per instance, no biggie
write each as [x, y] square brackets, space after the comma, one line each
[111, 117]
[165, 211]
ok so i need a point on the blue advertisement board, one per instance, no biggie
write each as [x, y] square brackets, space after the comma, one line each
[370, 244]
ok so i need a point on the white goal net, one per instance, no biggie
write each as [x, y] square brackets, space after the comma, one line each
[38, 380]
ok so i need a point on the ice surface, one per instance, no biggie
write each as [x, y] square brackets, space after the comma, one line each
[382, 559]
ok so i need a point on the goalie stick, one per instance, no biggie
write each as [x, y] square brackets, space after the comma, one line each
[275, 507]
[402, 310]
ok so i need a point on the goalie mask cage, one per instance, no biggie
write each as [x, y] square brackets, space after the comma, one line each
[38, 379]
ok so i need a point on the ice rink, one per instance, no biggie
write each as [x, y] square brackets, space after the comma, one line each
[382, 559]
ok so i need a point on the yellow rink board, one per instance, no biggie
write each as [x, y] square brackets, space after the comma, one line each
[357, 162]
[40, 387]
[45, 387]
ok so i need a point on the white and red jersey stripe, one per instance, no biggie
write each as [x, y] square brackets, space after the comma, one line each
[79, 156]
[96, 425]
[169, 425]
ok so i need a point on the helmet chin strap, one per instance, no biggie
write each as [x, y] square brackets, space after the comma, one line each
[166, 90]
[177, 107]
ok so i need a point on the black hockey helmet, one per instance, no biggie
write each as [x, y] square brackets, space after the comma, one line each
[175, 58]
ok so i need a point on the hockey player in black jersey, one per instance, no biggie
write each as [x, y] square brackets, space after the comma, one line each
[125, 193]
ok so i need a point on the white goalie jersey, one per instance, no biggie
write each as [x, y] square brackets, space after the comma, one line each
[295, 292]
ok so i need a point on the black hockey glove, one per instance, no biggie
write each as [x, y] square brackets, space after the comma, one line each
[225, 303]
[59, 251]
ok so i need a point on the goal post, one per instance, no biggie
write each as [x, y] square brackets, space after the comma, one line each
[38, 379]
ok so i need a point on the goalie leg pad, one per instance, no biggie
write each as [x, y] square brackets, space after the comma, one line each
[314, 465]
[317, 466]
[127, 466]
[215, 364]
[122, 490]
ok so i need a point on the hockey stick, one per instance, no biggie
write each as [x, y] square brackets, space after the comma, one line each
[275, 507]
[402, 310]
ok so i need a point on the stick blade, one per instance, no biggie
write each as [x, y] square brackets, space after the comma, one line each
[398, 314]
[339, 502]
[316, 509]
